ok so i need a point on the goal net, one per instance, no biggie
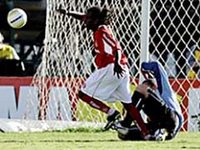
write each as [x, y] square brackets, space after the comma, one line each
[174, 33]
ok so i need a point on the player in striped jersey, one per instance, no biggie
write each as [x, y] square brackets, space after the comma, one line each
[110, 82]
[158, 102]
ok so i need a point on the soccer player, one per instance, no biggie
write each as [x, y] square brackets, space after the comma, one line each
[110, 82]
[158, 102]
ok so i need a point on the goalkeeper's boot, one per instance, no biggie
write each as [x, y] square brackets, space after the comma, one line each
[111, 119]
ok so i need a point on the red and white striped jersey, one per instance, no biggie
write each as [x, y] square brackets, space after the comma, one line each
[105, 47]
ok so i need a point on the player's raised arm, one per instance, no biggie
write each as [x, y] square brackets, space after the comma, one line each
[77, 15]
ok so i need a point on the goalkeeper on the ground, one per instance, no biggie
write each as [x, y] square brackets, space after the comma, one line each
[157, 100]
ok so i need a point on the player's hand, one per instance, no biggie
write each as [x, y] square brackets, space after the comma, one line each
[62, 10]
[118, 69]
[77, 15]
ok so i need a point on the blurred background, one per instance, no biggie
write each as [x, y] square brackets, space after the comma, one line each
[27, 41]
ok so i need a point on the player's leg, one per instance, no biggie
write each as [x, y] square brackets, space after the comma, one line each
[112, 113]
[94, 102]
[161, 117]
[124, 94]
[127, 121]
[99, 86]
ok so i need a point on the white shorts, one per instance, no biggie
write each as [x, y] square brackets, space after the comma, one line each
[104, 85]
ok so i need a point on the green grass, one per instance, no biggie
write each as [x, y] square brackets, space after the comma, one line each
[92, 140]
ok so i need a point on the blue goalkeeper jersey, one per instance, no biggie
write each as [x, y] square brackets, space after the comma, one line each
[165, 90]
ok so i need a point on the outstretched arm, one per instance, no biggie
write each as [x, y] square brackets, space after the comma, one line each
[77, 15]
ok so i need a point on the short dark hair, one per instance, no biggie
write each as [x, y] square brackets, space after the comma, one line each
[150, 82]
[103, 15]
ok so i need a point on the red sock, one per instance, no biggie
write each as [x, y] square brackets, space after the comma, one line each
[135, 115]
[94, 102]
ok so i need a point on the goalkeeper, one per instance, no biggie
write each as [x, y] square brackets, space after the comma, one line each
[158, 102]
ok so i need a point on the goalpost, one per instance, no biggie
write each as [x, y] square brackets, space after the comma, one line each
[172, 29]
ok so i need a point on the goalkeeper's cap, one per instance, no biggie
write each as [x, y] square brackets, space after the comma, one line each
[1, 38]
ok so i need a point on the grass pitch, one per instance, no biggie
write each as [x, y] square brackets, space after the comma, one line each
[92, 140]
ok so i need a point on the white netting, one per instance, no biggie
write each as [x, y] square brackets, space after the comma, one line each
[67, 58]
[174, 35]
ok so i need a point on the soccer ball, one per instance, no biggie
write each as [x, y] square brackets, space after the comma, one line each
[17, 18]
[160, 135]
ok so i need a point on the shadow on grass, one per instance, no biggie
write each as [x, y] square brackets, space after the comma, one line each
[57, 141]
